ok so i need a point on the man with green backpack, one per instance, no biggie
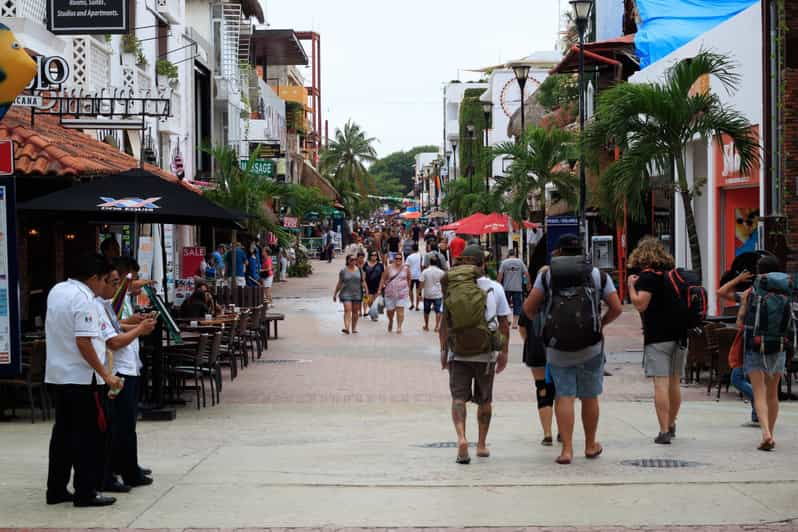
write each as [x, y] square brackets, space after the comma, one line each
[474, 338]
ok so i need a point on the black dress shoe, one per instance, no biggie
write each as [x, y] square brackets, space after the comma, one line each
[145, 471]
[60, 497]
[141, 481]
[97, 500]
[116, 487]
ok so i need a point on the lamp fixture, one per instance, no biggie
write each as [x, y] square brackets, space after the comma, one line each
[582, 10]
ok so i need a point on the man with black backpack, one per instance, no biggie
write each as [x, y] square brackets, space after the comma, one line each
[474, 339]
[569, 293]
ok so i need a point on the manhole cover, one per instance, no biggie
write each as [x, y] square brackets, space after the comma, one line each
[663, 463]
[282, 361]
[443, 445]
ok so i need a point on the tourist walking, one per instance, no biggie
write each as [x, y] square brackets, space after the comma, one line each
[767, 319]
[432, 251]
[395, 287]
[350, 288]
[373, 270]
[664, 337]
[433, 292]
[534, 356]
[392, 244]
[473, 340]
[572, 291]
[76, 372]
[414, 263]
[512, 274]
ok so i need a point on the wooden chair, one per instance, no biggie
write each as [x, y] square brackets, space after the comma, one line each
[720, 340]
[209, 367]
[227, 351]
[699, 356]
[184, 363]
[32, 378]
[253, 333]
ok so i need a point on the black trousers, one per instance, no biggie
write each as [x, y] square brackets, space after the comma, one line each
[76, 442]
[124, 442]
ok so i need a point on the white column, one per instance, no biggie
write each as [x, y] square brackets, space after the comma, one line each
[713, 231]
[680, 244]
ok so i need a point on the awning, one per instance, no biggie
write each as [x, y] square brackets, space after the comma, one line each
[277, 47]
[312, 178]
[132, 195]
[607, 53]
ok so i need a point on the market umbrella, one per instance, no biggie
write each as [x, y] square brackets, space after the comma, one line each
[135, 195]
[492, 223]
[435, 215]
[455, 226]
[411, 215]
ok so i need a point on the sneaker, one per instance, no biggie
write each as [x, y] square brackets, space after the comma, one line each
[664, 438]
[672, 431]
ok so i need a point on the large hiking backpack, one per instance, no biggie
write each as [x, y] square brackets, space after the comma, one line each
[464, 309]
[573, 305]
[769, 318]
[687, 298]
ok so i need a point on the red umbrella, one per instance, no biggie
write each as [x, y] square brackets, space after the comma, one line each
[455, 226]
[492, 223]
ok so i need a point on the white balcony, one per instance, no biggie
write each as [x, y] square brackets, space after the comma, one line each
[171, 125]
[34, 10]
[91, 64]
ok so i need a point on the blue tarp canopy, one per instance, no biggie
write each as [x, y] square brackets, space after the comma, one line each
[670, 24]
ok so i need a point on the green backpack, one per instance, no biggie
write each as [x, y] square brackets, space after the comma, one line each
[464, 305]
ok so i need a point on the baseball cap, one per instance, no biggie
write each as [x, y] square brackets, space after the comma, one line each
[568, 241]
[474, 254]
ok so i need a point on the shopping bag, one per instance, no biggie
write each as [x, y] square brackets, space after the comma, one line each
[379, 304]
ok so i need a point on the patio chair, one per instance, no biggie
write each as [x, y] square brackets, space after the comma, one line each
[32, 377]
[699, 357]
[253, 333]
[184, 363]
[227, 351]
[719, 340]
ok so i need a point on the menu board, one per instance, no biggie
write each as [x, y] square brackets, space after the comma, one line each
[10, 352]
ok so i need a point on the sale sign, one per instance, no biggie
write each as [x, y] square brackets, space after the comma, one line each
[6, 157]
[191, 259]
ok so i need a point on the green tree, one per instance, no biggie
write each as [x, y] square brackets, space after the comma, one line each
[303, 200]
[534, 161]
[399, 165]
[558, 90]
[345, 158]
[473, 156]
[466, 196]
[241, 190]
[652, 124]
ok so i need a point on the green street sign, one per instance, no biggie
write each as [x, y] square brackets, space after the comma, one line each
[261, 167]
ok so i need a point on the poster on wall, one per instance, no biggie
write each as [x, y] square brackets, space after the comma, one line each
[81, 17]
[10, 346]
[183, 290]
[740, 224]
[191, 258]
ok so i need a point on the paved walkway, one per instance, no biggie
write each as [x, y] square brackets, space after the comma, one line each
[354, 431]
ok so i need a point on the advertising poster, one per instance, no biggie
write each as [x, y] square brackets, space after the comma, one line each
[10, 347]
[183, 289]
[169, 244]
[739, 224]
[190, 261]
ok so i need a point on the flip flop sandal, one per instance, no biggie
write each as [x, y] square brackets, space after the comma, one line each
[484, 455]
[766, 446]
[547, 441]
[344, 331]
[591, 456]
[463, 460]
[562, 461]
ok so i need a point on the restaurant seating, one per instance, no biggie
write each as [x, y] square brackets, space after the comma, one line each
[183, 363]
[273, 317]
[719, 339]
[31, 379]
[227, 351]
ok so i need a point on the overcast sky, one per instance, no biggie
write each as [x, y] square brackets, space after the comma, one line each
[384, 61]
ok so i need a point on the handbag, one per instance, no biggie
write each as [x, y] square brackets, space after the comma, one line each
[736, 351]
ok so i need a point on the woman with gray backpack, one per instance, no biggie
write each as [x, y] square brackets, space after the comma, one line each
[768, 322]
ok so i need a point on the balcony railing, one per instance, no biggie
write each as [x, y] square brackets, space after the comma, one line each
[31, 9]
[91, 64]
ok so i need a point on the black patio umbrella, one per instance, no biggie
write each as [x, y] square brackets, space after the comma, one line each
[136, 195]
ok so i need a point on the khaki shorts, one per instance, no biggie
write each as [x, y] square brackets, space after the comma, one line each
[664, 359]
[471, 381]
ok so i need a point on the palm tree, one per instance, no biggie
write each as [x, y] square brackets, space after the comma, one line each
[345, 158]
[535, 160]
[652, 124]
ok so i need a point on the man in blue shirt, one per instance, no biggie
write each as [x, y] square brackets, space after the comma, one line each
[217, 261]
[239, 272]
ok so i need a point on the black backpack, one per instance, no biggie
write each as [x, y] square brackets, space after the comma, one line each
[686, 298]
[573, 305]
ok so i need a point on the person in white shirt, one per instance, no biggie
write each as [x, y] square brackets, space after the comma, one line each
[471, 377]
[76, 371]
[433, 292]
[122, 339]
[413, 262]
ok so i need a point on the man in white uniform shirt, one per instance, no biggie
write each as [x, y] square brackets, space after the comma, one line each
[76, 371]
[123, 340]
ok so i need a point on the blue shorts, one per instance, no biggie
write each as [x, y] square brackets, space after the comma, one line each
[433, 304]
[772, 363]
[585, 381]
[516, 300]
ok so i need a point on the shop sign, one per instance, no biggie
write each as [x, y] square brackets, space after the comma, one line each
[192, 257]
[23, 100]
[80, 17]
[261, 167]
[128, 204]
[51, 73]
[6, 157]
[727, 164]
[291, 222]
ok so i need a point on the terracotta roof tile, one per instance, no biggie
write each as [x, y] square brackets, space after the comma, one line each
[49, 148]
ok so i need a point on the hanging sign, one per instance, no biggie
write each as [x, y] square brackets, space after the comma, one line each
[80, 17]
[261, 167]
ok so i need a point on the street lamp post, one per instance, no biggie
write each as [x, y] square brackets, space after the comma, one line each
[521, 72]
[582, 10]
[487, 108]
[469, 171]
[454, 157]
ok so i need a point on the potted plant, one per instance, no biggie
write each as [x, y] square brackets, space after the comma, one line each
[167, 72]
[131, 47]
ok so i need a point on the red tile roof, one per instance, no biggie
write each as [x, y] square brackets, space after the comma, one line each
[49, 148]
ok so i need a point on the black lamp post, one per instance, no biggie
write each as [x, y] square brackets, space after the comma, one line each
[521, 72]
[448, 165]
[454, 157]
[487, 108]
[582, 10]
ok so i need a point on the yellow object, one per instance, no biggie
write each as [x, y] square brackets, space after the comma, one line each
[16, 69]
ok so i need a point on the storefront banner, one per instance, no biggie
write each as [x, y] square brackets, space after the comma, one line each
[191, 258]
